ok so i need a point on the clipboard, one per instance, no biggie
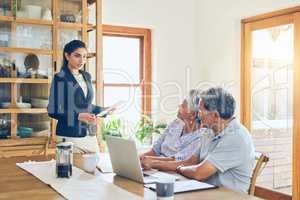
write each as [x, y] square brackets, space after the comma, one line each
[109, 109]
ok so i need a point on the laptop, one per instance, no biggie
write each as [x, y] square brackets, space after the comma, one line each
[126, 163]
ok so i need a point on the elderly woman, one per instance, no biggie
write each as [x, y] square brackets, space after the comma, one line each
[182, 135]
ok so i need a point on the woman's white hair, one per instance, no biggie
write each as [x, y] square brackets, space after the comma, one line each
[193, 100]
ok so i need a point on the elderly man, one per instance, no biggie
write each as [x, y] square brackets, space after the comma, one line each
[226, 153]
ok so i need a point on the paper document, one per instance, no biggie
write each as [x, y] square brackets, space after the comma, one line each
[185, 186]
[110, 108]
[158, 174]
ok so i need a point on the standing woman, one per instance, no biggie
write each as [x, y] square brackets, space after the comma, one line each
[70, 100]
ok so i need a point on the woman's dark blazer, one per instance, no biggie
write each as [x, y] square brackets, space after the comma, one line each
[67, 100]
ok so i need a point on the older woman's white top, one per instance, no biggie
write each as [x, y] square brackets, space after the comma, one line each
[173, 143]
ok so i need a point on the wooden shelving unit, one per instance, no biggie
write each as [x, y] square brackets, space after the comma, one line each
[69, 25]
[33, 21]
[23, 110]
[24, 80]
[26, 50]
[43, 38]
[6, 18]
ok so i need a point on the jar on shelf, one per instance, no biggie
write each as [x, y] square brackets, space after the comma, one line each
[5, 68]
[4, 38]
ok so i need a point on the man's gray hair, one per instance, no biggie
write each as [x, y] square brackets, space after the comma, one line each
[193, 100]
[218, 99]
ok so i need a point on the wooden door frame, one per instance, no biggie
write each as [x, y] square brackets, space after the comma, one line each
[284, 16]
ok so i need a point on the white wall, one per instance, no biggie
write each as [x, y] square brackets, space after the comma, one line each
[218, 38]
[201, 34]
[173, 30]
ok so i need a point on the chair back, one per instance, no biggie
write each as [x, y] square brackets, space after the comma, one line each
[261, 161]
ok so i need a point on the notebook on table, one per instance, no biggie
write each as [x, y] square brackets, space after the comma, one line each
[186, 186]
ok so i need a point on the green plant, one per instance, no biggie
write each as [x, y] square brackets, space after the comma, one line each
[145, 128]
[111, 128]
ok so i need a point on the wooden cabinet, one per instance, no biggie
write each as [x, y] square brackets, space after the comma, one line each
[32, 36]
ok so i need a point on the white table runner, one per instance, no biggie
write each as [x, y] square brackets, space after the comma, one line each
[80, 186]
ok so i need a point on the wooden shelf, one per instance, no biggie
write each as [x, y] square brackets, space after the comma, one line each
[23, 110]
[23, 147]
[91, 27]
[91, 55]
[23, 141]
[25, 50]
[24, 80]
[67, 25]
[75, 26]
[34, 21]
[26, 20]
[6, 18]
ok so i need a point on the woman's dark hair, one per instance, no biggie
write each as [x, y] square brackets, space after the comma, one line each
[70, 48]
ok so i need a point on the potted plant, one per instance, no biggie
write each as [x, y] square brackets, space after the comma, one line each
[145, 130]
[111, 128]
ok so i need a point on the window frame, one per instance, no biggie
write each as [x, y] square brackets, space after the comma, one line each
[145, 62]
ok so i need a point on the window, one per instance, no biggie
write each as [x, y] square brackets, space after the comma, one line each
[127, 71]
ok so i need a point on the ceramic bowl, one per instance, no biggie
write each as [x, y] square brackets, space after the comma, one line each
[19, 105]
[23, 105]
[39, 126]
[33, 11]
[41, 133]
[39, 103]
[24, 132]
[22, 14]
[5, 104]
[4, 133]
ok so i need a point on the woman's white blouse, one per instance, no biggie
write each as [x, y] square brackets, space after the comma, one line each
[173, 144]
[79, 78]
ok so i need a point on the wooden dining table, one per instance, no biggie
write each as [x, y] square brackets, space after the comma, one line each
[16, 183]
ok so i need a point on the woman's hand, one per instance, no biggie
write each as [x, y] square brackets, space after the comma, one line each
[87, 118]
[110, 110]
